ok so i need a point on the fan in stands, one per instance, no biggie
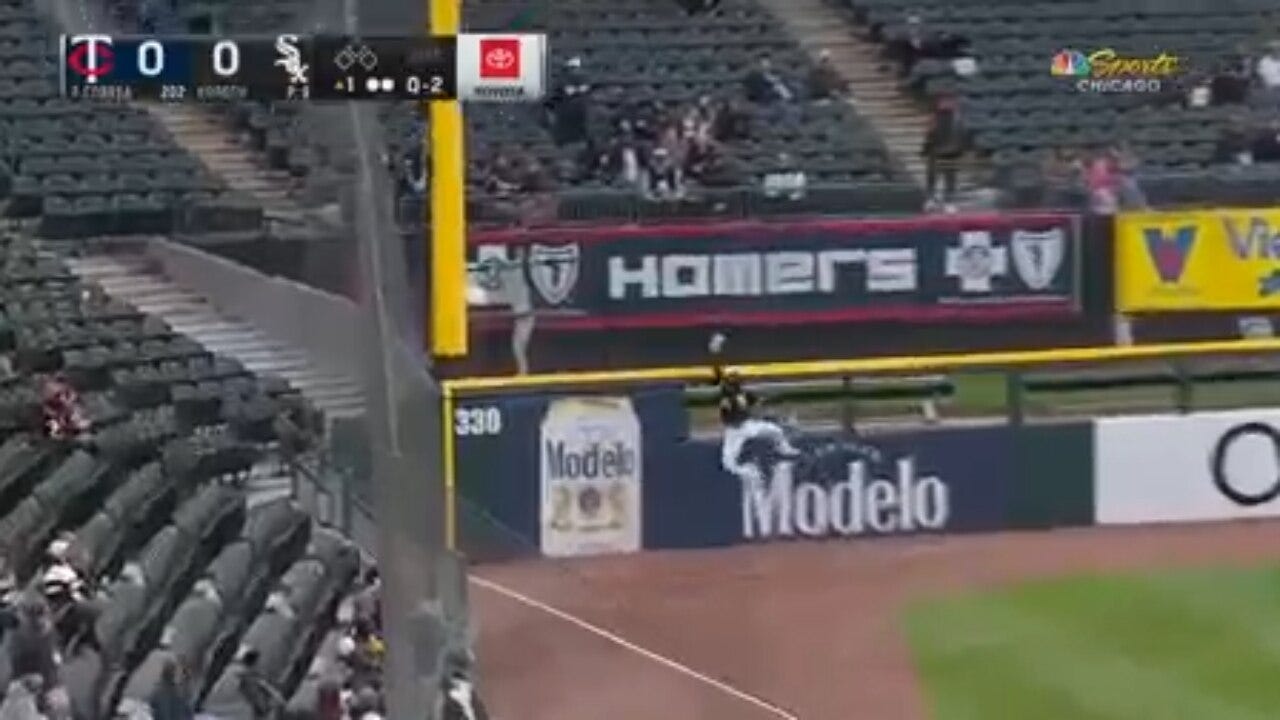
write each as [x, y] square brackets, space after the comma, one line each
[64, 418]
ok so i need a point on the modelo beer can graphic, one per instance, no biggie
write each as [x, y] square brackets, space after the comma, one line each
[591, 462]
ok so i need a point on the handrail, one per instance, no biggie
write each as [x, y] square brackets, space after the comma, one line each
[913, 364]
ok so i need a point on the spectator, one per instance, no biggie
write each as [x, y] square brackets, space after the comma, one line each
[665, 176]
[825, 81]
[8, 603]
[570, 105]
[944, 147]
[21, 701]
[1102, 180]
[1266, 143]
[329, 702]
[531, 177]
[700, 151]
[1130, 192]
[411, 178]
[366, 704]
[1269, 67]
[1230, 84]
[33, 649]
[368, 602]
[169, 700]
[911, 47]
[706, 111]
[1061, 167]
[785, 180]
[1198, 91]
[732, 123]
[646, 119]
[764, 86]
[626, 157]
[1235, 146]
[63, 415]
[502, 177]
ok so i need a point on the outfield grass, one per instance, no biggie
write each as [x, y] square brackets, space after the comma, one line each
[1188, 646]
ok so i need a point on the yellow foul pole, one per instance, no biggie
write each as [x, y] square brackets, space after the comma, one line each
[447, 311]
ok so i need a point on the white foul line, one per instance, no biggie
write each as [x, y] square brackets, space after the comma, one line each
[628, 645]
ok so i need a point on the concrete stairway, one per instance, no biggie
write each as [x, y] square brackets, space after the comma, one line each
[134, 280]
[206, 137]
[874, 92]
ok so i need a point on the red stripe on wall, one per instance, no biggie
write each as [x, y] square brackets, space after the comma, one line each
[975, 314]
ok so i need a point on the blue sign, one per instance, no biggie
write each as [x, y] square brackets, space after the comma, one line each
[970, 269]
[928, 481]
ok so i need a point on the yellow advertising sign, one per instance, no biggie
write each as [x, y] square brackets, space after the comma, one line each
[1189, 261]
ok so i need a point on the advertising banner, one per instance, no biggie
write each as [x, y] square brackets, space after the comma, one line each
[922, 482]
[540, 475]
[590, 470]
[978, 269]
[1198, 261]
[1182, 468]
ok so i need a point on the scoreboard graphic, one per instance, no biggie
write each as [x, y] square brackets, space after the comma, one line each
[288, 67]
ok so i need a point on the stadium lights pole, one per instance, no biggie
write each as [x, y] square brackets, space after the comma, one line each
[446, 316]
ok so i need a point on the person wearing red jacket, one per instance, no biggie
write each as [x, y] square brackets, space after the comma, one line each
[63, 416]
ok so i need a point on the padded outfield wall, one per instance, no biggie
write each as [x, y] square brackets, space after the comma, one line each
[552, 475]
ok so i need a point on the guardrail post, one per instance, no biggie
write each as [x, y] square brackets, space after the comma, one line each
[1015, 399]
[846, 404]
[346, 492]
[1183, 387]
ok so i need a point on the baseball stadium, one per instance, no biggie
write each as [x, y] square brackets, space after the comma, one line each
[639, 359]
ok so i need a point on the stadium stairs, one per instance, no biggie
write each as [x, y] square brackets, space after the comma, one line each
[873, 87]
[874, 92]
[226, 156]
[135, 280]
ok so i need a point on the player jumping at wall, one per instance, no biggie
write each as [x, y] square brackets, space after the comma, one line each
[741, 426]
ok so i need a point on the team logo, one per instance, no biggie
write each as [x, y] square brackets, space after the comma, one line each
[500, 58]
[291, 59]
[1070, 63]
[976, 261]
[90, 56]
[553, 271]
[1169, 253]
[1038, 255]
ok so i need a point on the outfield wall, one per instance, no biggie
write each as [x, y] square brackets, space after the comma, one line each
[541, 474]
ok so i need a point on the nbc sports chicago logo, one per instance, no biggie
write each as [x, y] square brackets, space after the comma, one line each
[1107, 71]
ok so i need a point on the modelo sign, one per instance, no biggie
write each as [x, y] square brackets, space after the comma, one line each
[861, 504]
[1183, 468]
[591, 463]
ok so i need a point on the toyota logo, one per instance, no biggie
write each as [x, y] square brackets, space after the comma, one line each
[1218, 464]
[500, 59]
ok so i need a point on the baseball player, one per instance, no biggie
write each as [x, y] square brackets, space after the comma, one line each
[737, 415]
